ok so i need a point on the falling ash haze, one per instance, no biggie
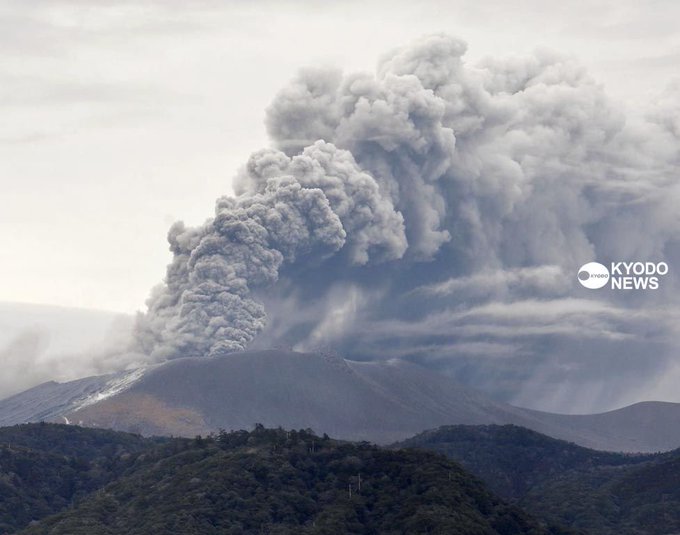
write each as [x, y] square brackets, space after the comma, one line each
[438, 211]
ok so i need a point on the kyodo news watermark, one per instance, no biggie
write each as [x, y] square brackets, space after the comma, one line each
[623, 275]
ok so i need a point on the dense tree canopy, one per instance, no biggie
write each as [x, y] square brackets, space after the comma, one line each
[263, 481]
[600, 492]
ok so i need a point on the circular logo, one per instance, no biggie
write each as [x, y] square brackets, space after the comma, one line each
[593, 275]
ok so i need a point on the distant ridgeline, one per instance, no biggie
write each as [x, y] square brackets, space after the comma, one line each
[599, 492]
[381, 402]
[69, 480]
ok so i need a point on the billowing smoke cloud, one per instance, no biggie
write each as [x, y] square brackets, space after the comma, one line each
[291, 211]
[438, 210]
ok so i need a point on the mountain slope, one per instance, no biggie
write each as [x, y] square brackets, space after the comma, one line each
[649, 426]
[513, 460]
[380, 402]
[601, 492]
[44, 468]
[51, 400]
[273, 481]
[377, 401]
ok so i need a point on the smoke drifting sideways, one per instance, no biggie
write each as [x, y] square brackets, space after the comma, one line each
[43, 343]
[438, 211]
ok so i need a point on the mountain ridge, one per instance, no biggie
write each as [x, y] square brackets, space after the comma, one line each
[379, 401]
[560, 482]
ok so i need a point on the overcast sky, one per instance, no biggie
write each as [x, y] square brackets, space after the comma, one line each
[122, 118]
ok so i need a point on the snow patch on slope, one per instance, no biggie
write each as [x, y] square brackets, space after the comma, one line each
[118, 384]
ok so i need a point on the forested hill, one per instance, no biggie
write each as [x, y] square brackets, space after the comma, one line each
[264, 481]
[601, 492]
[513, 459]
[46, 467]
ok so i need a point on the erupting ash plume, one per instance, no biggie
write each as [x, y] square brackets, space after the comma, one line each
[305, 209]
[437, 210]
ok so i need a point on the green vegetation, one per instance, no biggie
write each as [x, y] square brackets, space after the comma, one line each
[45, 468]
[71, 440]
[264, 481]
[60, 479]
[601, 492]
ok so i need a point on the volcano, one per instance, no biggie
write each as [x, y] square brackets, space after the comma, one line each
[381, 402]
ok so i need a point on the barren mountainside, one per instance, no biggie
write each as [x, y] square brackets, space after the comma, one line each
[377, 401]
